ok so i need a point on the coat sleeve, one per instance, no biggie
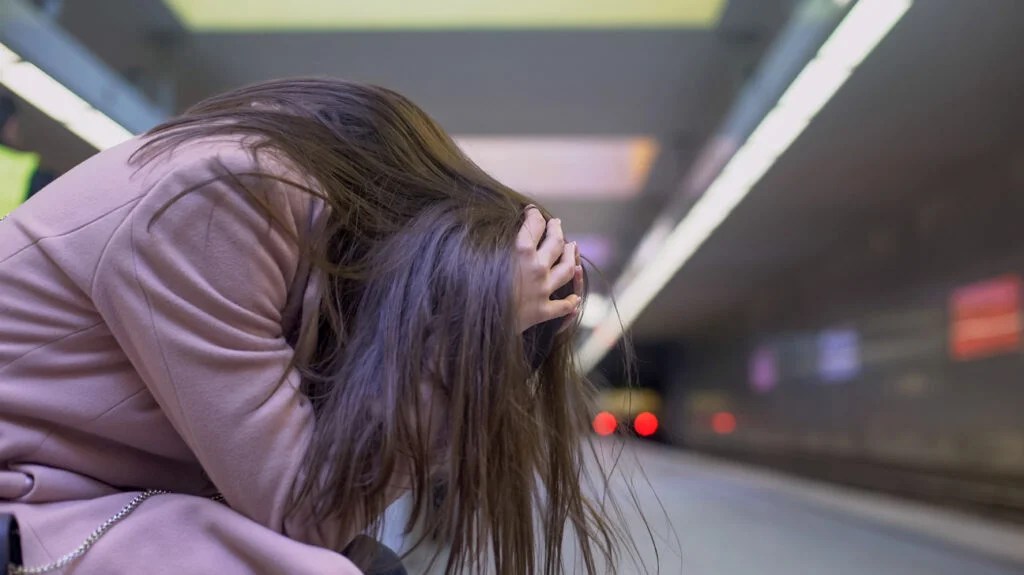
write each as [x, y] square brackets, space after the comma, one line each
[195, 294]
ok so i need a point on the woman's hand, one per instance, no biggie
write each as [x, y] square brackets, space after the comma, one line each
[541, 268]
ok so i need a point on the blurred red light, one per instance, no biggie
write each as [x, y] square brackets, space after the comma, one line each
[645, 424]
[605, 423]
[723, 423]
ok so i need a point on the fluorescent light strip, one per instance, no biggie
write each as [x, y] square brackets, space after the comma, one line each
[248, 15]
[594, 311]
[814, 87]
[848, 45]
[6, 56]
[53, 99]
[48, 95]
[98, 129]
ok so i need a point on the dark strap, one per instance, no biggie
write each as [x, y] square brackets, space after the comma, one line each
[10, 542]
[373, 557]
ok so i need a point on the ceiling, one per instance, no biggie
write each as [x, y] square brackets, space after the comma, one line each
[941, 92]
[670, 82]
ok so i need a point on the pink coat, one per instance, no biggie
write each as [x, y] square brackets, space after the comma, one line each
[139, 354]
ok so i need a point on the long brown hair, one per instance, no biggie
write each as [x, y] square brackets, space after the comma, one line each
[418, 312]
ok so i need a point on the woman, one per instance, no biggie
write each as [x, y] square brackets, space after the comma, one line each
[247, 332]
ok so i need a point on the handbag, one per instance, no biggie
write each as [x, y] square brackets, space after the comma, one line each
[10, 542]
[376, 558]
[383, 561]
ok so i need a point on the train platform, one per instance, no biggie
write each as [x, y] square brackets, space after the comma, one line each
[715, 517]
[732, 519]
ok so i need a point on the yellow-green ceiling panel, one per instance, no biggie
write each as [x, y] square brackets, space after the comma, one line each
[269, 15]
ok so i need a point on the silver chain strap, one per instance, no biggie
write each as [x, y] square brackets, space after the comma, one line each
[90, 540]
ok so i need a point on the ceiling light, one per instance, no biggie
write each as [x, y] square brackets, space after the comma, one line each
[6, 56]
[565, 167]
[855, 37]
[247, 15]
[779, 129]
[594, 310]
[98, 129]
[815, 86]
[53, 99]
[862, 29]
[45, 93]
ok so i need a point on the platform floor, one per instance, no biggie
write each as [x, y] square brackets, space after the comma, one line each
[721, 518]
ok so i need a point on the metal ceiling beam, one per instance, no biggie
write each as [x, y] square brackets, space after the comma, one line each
[811, 23]
[38, 39]
[646, 274]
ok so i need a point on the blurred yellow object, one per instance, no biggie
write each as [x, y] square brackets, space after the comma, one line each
[16, 169]
[244, 15]
[626, 402]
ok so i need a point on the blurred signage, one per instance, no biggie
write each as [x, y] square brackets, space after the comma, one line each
[986, 318]
[838, 355]
[797, 356]
[764, 370]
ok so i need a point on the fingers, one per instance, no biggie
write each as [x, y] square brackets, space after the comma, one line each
[563, 273]
[569, 320]
[577, 288]
[555, 309]
[577, 276]
[532, 230]
[554, 243]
